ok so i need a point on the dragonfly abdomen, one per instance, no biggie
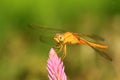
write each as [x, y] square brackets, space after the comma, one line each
[82, 41]
[97, 45]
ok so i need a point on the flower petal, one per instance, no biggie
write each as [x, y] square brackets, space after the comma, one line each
[55, 67]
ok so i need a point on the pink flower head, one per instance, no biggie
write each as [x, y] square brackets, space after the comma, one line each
[55, 67]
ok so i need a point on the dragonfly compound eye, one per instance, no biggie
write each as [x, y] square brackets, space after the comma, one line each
[58, 38]
[61, 38]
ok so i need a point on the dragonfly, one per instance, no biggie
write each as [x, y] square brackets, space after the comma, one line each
[65, 37]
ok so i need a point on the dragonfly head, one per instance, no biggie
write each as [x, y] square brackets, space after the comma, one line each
[59, 38]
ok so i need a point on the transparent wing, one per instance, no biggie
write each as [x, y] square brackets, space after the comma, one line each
[93, 36]
[35, 26]
[99, 48]
[47, 40]
[103, 54]
[46, 28]
[46, 34]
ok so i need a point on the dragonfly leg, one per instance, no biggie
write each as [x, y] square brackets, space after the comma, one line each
[59, 47]
[64, 52]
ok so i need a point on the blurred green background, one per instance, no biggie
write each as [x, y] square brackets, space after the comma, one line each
[23, 56]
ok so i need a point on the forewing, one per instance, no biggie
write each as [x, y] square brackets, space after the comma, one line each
[93, 36]
[38, 27]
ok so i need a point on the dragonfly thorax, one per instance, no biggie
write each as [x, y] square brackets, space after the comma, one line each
[59, 38]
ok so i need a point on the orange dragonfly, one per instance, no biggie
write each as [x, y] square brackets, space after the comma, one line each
[62, 39]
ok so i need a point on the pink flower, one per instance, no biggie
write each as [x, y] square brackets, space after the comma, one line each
[55, 67]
